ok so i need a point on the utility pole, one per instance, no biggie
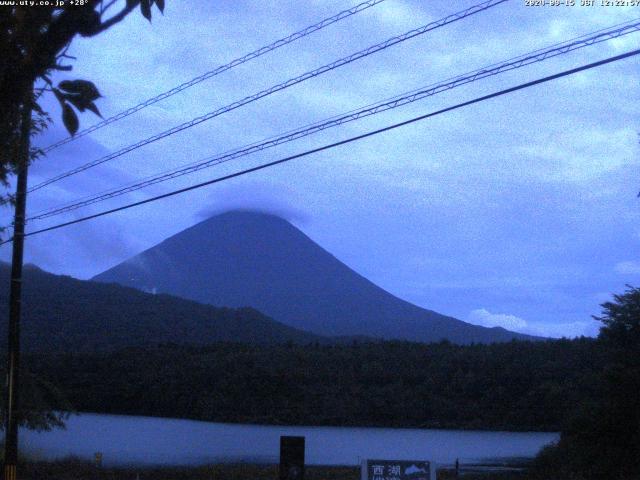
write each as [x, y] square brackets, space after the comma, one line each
[12, 411]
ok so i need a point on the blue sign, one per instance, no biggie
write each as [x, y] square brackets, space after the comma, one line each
[396, 470]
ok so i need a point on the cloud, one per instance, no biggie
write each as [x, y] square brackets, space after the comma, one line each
[397, 15]
[485, 318]
[630, 267]
[254, 196]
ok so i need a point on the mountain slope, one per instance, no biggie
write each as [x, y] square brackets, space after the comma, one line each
[245, 258]
[65, 314]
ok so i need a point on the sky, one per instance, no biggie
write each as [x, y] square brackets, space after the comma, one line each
[520, 211]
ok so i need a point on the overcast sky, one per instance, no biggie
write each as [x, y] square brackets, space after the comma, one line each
[520, 211]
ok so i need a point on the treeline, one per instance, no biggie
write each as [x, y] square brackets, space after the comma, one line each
[510, 386]
[61, 313]
[601, 439]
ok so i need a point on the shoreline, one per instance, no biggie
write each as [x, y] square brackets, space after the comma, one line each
[75, 469]
[312, 425]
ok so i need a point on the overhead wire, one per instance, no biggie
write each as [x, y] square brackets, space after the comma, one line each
[218, 70]
[538, 55]
[276, 88]
[339, 143]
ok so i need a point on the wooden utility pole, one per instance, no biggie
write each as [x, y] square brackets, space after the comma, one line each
[12, 409]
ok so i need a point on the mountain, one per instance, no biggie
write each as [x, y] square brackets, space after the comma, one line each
[60, 313]
[247, 258]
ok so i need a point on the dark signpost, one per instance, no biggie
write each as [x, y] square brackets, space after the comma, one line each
[396, 470]
[291, 458]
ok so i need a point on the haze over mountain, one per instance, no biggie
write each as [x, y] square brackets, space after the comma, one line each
[248, 258]
[63, 314]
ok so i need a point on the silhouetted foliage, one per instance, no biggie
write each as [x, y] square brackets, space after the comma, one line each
[513, 386]
[34, 41]
[43, 405]
[603, 439]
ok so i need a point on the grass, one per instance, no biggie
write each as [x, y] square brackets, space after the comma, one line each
[75, 469]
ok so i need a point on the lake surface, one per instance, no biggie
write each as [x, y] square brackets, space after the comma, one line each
[164, 441]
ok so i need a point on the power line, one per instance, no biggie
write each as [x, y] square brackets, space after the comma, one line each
[395, 102]
[336, 144]
[218, 70]
[517, 62]
[294, 81]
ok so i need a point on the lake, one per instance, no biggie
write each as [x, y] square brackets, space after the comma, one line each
[128, 440]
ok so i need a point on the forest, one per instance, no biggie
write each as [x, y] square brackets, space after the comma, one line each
[509, 386]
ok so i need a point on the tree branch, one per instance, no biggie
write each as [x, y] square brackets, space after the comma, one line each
[113, 20]
[104, 8]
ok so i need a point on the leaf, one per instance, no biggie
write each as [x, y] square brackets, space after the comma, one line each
[38, 109]
[145, 8]
[89, 23]
[94, 109]
[160, 4]
[76, 101]
[70, 119]
[85, 88]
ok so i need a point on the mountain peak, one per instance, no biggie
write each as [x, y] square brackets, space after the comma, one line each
[249, 257]
[242, 214]
[253, 215]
